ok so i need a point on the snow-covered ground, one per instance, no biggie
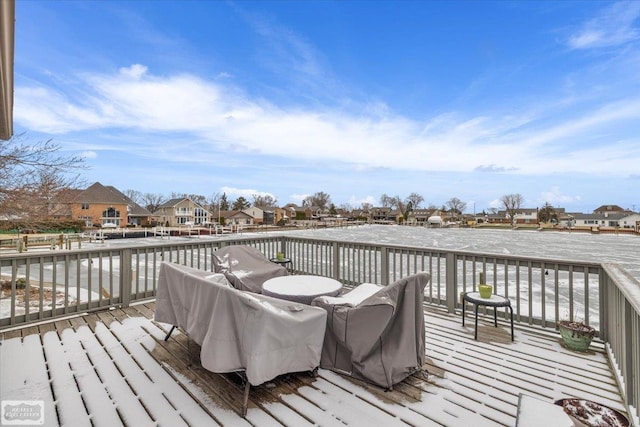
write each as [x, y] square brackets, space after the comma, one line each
[622, 249]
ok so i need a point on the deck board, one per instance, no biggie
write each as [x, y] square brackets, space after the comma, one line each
[113, 367]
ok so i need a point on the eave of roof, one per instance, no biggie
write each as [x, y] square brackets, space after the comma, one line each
[7, 43]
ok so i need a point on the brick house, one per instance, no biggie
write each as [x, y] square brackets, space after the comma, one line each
[105, 205]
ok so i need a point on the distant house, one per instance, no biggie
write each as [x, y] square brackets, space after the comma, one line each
[381, 214]
[236, 218]
[420, 216]
[526, 216]
[106, 206]
[256, 213]
[630, 221]
[182, 211]
[598, 220]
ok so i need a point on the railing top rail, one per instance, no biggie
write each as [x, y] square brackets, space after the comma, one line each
[628, 285]
[275, 236]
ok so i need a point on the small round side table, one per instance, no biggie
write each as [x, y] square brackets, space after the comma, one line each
[283, 261]
[494, 301]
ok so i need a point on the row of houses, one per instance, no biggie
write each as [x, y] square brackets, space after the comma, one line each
[605, 216]
[105, 206]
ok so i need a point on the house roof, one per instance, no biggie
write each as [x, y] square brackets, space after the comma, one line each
[234, 214]
[172, 202]
[98, 193]
[608, 208]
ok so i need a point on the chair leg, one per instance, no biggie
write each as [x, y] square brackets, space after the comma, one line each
[245, 401]
[170, 332]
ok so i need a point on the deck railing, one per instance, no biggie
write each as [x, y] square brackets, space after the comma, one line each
[542, 291]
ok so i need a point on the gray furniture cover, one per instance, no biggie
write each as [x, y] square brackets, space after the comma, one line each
[381, 339]
[237, 330]
[245, 267]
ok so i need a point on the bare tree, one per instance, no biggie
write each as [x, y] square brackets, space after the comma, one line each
[320, 200]
[386, 201]
[32, 175]
[346, 207]
[151, 201]
[456, 205]
[415, 199]
[264, 200]
[134, 195]
[511, 204]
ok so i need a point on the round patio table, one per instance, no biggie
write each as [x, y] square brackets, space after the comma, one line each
[301, 288]
[494, 301]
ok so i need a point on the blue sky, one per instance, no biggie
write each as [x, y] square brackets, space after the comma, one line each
[468, 99]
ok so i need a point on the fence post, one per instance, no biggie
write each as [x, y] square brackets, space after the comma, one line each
[451, 279]
[125, 277]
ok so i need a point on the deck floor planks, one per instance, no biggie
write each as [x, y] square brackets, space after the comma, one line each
[469, 381]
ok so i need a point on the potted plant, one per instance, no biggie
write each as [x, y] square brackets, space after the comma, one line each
[576, 335]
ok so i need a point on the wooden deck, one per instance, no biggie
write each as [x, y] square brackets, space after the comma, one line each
[113, 368]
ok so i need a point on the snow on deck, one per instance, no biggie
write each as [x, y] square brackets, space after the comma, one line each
[113, 368]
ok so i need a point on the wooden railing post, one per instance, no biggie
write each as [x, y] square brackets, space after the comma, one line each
[125, 277]
[451, 279]
[336, 260]
[384, 266]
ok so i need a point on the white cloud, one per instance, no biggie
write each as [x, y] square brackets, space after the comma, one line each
[247, 193]
[613, 27]
[357, 202]
[555, 197]
[298, 198]
[90, 154]
[222, 117]
[136, 71]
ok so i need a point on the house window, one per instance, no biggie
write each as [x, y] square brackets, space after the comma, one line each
[85, 206]
[111, 213]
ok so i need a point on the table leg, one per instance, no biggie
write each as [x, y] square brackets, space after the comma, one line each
[475, 336]
[495, 317]
[511, 310]
[463, 304]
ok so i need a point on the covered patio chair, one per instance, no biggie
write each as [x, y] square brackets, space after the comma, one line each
[376, 333]
[245, 267]
[262, 337]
